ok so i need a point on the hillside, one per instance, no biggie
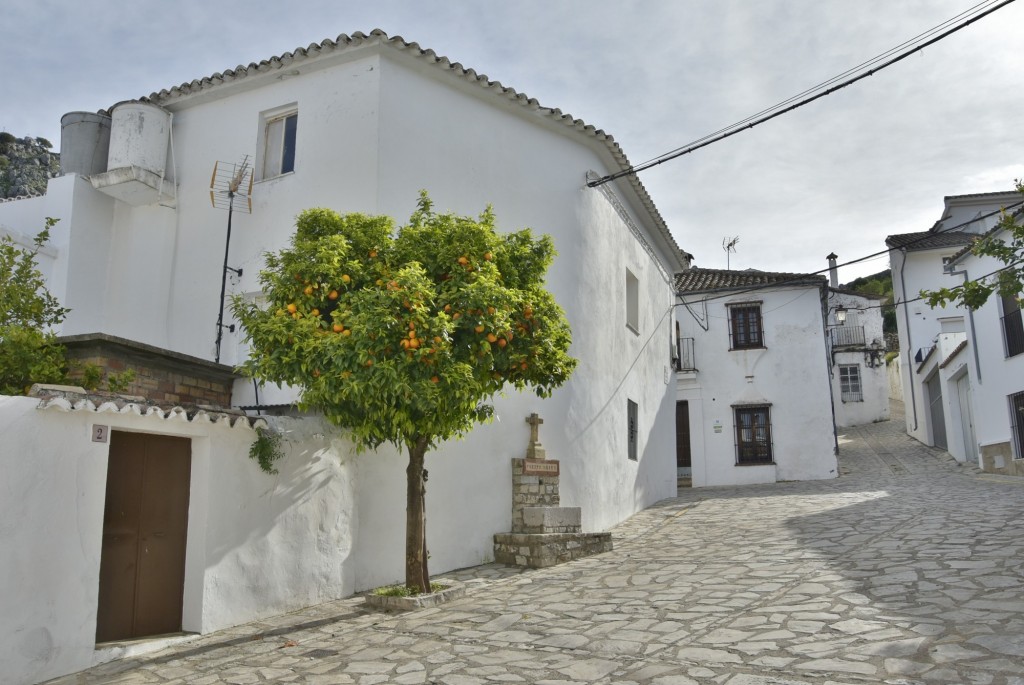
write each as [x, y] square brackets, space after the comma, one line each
[26, 164]
[878, 284]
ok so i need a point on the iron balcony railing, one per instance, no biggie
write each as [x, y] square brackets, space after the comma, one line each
[847, 335]
[684, 355]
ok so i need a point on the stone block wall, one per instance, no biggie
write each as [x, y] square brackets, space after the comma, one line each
[161, 376]
[998, 458]
[530, 491]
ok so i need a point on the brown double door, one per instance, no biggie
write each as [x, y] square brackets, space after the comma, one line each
[145, 517]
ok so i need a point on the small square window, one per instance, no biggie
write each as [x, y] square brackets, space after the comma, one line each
[278, 144]
[632, 302]
[745, 331]
[634, 432]
[753, 435]
[849, 383]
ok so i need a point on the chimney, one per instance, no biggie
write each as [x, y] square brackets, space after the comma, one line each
[833, 272]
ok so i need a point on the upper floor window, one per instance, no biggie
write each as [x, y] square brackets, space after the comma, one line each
[632, 302]
[1013, 326]
[1017, 423]
[278, 142]
[745, 329]
[849, 383]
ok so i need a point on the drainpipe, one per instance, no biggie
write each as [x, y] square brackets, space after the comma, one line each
[910, 346]
[970, 317]
[824, 294]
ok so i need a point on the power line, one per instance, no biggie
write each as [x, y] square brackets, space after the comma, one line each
[775, 111]
[799, 277]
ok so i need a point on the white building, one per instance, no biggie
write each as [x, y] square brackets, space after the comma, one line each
[942, 349]
[860, 382]
[753, 397]
[357, 124]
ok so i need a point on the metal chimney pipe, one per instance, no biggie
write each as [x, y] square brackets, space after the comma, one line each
[833, 272]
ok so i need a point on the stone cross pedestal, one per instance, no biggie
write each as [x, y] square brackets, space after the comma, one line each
[543, 532]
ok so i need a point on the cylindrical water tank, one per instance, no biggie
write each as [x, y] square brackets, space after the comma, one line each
[138, 137]
[84, 143]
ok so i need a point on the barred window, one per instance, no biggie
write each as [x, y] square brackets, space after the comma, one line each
[849, 383]
[632, 428]
[1017, 423]
[753, 435]
[745, 330]
[1013, 326]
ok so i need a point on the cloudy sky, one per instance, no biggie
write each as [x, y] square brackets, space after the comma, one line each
[838, 175]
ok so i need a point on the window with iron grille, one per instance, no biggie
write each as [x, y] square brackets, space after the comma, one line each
[633, 429]
[753, 435]
[1013, 326]
[745, 330]
[849, 383]
[1017, 423]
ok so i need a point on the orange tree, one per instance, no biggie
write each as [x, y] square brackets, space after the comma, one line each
[404, 336]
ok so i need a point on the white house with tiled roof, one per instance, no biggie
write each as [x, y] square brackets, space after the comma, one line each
[939, 348]
[360, 123]
[753, 395]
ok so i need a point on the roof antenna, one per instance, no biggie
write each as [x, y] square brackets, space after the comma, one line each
[729, 245]
[229, 182]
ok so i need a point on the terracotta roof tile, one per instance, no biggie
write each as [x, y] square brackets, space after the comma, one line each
[344, 42]
[701, 280]
[929, 240]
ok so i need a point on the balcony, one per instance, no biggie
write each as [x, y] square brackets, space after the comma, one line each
[684, 355]
[845, 336]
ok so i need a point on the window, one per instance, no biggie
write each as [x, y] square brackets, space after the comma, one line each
[633, 429]
[278, 143]
[849, 383]
[632, 302]
[1013, 326]
[753, 435]
[745, 326]
[1017, 423]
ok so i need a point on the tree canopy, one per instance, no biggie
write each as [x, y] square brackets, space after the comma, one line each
[28, 351]
[404, 335]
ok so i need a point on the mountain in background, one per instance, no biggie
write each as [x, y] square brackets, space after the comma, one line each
[878, 284]
[26, 164]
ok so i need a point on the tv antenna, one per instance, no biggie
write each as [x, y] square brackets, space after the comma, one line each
[229, 184]
[729, 245]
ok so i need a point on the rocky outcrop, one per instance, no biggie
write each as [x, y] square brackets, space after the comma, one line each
[26, 164]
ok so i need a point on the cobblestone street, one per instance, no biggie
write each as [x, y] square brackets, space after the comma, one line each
[907, 569]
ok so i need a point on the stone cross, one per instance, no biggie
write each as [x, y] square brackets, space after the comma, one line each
[535, 450]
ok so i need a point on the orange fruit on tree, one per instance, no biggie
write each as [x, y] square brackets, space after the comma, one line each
[333, 295]
[491, 310]
[491, 338]
[373, 253]
[345, 278]
[338, 328]
[404, 342]
[292, 308]
[412, 334]
[308, 290]
[502, 342]
[479, 328]
[463, 260]
[413, 343]
[347, 331]
[487, 256]
[315, 312]
[435, 379]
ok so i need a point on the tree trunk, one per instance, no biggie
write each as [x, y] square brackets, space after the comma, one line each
[417, 577]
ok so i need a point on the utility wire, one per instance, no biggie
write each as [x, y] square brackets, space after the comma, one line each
[800, 277]
[754, 120]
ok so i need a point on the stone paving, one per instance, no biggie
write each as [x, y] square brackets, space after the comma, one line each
[909, 569]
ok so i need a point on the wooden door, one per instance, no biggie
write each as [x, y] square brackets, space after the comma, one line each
[683, 435]
[145, 516]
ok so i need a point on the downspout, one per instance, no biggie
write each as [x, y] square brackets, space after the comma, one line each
[970, 317]
[910, 346]
[828, 366]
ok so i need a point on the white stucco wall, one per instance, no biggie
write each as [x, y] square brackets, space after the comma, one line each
[258, 544]
[790, 374]
[372, 132]
[994, 375]
[861, 312]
